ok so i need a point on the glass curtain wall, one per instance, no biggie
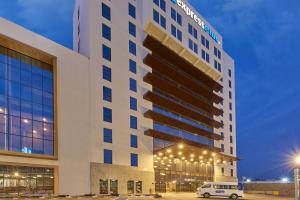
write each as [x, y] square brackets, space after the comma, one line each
[26, 104]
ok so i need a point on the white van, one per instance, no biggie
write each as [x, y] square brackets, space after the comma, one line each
[220, 189]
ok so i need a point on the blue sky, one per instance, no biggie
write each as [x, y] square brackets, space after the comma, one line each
[262, 37]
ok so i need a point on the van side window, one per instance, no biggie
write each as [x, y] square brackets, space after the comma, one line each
[206, 186]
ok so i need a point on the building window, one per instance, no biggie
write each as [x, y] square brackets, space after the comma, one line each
[193, 46]
[219, 54]
[176, 16]
[229, 72]
[222, 148]
[230, 117]
[107, 156]
[107, 135]
[107, 115]
[134, 160]
[230, 128]
[230, 95]
[231, 172]
[229, 83]
[107, 94]
[231, 150]
[176, 32]
[132, 66]
[159, 19]
[133, 103]
[231, 139]
[223, 171]
[106, 73]
[106, 32]
[106, 11]
[132, 47]
[161, 4]
[26, 104]
[204, 42]
[106, 52]
[132, 85]
[133, 141]
[222, 135]
[133, 122]
[132, 29]
[193, 31]
[131, 10]
[230, 106]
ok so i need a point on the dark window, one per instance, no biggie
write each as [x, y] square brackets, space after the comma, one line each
[173, 14]
[163, 22]
[207, 44]
[229, 72]
[203, 54]
[133, 122]
[106, 73]
[133, 103]
[231, 139]
[222, 135]
[131, 10]
[107, 156]
[230, 128]
[161, 4]
[156, 16]
[132, 47]
[107, 135]
[173, 30]
[134, 159]
[223, 171]
[106, 32]
[179, 35]
[219, 54]
[215, 51]
[231, 172]
[132, 85]
[230, 117]
[106, 11]
[222, 148]
[202, 40]
[159, 19]
[106, 52]
[231, 150]
[133, 141]
[230, 106]
[190, 27]
[230, 95]
[207, 57]
[132, 66]
[132, 29]
[107, 115]
[107, 94]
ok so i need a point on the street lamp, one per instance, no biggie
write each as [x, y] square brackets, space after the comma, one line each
[297, 176]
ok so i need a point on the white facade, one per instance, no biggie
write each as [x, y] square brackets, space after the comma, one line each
[79, 164]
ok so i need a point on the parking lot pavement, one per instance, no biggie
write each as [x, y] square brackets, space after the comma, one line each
[193, 196]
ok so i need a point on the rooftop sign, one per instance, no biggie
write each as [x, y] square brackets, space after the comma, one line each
[197, 19]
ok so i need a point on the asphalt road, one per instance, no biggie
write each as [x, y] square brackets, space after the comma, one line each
[192, 196]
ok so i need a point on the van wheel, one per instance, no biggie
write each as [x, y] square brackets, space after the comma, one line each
[206, 195]
[234, 196]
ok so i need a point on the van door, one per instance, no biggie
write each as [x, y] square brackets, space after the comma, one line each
[220, 190]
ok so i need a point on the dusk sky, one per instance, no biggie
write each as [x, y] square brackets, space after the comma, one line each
[262, 37]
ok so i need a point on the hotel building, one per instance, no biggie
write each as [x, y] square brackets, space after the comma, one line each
[144, 103]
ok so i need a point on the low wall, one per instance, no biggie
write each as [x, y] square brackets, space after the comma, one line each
[271, 188]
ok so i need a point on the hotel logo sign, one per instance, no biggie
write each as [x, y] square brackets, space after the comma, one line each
[197, 19]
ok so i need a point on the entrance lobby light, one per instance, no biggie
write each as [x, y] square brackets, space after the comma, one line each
[180, 146]
[16, 174]
[204, 152]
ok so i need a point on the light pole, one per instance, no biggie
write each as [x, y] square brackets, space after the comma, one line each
[297, 177]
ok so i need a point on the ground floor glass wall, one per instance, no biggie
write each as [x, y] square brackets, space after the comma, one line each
[181, 176]
[26, 180]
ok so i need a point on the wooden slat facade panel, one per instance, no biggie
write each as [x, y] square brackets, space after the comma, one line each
[181, 110]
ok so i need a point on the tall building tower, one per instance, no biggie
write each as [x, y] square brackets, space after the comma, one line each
[144, 103]
[162, 96]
